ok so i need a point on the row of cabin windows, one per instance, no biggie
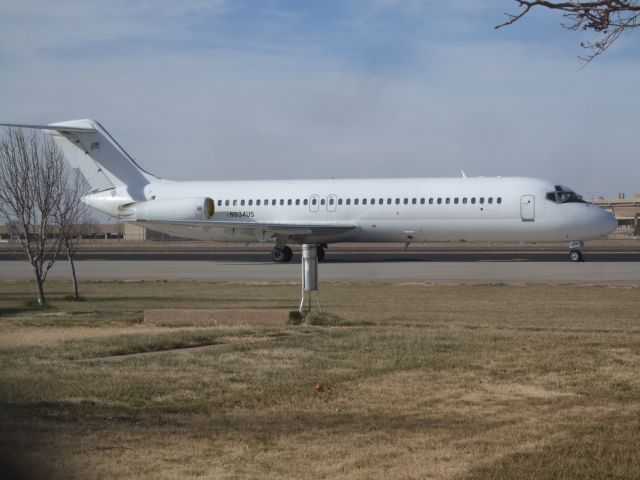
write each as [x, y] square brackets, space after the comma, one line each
[365, 201]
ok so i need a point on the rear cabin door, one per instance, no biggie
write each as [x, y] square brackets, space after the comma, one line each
[332, 202]
[528, 208]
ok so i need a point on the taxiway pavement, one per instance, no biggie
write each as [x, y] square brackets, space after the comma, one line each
[386, 266]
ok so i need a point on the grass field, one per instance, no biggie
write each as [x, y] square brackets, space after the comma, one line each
[408, 381]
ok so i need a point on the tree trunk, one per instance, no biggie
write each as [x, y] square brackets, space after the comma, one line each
[41, 299]
[76, 295]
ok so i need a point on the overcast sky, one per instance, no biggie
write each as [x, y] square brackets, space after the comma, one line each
[240, 89]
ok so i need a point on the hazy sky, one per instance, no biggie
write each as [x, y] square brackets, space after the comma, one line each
[233, 89]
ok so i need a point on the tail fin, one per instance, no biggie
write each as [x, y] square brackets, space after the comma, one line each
[89, 147]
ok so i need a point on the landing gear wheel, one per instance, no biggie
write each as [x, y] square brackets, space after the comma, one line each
[575, 256]
[282, 255]
[320, 253]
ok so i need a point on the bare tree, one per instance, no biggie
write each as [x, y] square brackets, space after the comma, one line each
[33, 179]
[71, 216]
[609, 18]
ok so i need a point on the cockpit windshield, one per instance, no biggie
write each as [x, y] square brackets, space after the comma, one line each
[564, 195]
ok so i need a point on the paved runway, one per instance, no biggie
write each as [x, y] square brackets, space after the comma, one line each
[369, 265]
[365, 255]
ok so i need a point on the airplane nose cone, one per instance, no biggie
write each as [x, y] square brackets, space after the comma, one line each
[608, 223]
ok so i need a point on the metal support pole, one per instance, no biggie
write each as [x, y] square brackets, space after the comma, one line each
[309, 276]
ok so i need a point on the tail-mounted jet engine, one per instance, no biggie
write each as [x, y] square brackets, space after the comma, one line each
[174, 209]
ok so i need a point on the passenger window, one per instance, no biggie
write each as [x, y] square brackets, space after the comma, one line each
[273, 202]
[282, 201]
[481, 199]
[414, 201]
[305, 201]
[289, 202]
[406, 201]
[388, 201]
[339, 201]
[219, 203]
[439, 201]
[322, 201]
[355, 201]
[314, 201]
[490, 200]
[473, 200]
[258, 202]
[397, 201]
[226, 202]
[422, 201]
[380, 201]
[364, 201]
[431, 201]
[499, 200]
[464, 200]
[331, 201]
[297, 201]
[448, 201]
[455, 200]
[235, 202]
[348, 201]
[242, 202]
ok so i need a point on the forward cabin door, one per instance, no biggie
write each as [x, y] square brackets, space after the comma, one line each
[528, 208]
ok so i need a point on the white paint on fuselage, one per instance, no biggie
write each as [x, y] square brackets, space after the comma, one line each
[396, 222]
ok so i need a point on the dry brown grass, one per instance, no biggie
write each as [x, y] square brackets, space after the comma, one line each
[415, 381]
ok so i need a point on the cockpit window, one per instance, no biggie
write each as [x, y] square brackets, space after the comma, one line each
[564, 195]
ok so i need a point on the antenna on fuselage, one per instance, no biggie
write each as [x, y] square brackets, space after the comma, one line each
[464, 175]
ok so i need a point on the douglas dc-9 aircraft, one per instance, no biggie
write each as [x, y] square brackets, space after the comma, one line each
[326, 211]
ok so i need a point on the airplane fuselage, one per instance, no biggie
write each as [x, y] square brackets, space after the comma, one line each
[386, 210]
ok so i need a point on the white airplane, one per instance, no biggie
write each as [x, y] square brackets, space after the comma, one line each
[326, 211]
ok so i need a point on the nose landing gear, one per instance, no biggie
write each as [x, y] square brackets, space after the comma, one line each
[575, 256]
[575, 251]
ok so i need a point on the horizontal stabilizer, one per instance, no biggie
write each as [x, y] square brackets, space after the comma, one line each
[54, 127]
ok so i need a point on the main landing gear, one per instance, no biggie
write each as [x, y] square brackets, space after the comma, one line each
[285, 254]
[575, 251]
[282, 255]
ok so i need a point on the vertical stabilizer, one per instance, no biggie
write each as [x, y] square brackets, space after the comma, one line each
[103, 162]
[88, 147]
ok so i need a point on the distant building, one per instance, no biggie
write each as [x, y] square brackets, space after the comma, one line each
[626, 211]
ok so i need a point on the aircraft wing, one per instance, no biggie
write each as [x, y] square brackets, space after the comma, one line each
[263, 228]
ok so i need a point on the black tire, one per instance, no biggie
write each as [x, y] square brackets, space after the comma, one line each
[288, 254]
[575, 256]
[279, 255]
[320, 253]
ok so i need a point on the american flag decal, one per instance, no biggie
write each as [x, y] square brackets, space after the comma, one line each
[95, 145]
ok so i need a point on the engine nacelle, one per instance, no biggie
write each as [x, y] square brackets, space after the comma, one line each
[167, 210]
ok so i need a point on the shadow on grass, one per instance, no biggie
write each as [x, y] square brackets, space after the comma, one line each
[607, 450]
[27, 306]
[325, 319]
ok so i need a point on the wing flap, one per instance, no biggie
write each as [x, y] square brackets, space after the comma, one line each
[291, 229]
